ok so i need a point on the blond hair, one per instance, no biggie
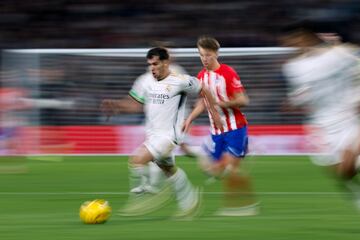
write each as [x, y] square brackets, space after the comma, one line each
[208, 43]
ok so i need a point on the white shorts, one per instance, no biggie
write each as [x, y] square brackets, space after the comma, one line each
[332, 142]
[161, 148]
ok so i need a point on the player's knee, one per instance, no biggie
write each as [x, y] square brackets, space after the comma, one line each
[137, 161]
[345, 170]
[347, 167]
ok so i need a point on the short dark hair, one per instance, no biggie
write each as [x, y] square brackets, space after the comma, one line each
[302, 26]
[208, 42]
[162, 53]
[305, 29]
[316, 27]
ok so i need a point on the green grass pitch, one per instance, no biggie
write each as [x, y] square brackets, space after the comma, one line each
[298, 201]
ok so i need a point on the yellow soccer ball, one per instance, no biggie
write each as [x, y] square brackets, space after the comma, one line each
[94, 212]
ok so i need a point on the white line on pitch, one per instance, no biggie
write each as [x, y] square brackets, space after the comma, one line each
[206, 193]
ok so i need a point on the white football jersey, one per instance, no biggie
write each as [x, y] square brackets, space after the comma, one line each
[327, 83]
[164, 102]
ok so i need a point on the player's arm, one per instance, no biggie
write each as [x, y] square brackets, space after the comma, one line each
[210, 104]
[195, 113]
[112, 107]
[130, 104]
[240, 100]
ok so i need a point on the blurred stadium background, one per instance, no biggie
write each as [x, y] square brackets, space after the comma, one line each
[60, 58]
[50, 98]
[113, 23]
[54, 97]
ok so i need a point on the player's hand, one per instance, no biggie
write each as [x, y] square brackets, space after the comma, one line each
[186, 126]
[222, 104]
[217, 121]
[109, 108]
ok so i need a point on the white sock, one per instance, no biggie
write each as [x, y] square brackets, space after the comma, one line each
[156, 175]
[184, 191]
[136, 176]
[204, 162]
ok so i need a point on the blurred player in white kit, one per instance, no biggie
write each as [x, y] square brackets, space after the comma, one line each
[153, 177]
[324, 78]
[164, 98]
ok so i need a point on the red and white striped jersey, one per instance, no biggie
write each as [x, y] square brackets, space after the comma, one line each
[224, 83]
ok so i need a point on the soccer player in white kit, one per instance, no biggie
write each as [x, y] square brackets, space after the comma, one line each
[164, 98]
[152, 179]
[153, 176]
[325, 78]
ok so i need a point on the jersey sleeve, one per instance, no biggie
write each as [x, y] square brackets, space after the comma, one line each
[192, 85]
[233, 83]
[138, 89]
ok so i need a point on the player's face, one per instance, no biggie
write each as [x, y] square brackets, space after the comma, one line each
[208, 58]
[159, 68]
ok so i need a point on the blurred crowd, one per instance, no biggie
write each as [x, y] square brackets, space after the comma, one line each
[113, 23]
[80, 82]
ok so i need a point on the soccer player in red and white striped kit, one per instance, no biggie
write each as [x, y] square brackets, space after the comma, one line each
[226, 147]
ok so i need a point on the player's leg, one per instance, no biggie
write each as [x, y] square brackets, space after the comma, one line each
[159, 149]
[348, 168]
[239, 197]
[143, 164]
[187, 196]
[156, 178]
[209, 160]
[138, 164]
[187, 150]
[346, 151]
[144, 204]
[151, 180]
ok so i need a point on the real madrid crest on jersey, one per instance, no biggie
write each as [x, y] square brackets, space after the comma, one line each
[168, 88]
[236, 83]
